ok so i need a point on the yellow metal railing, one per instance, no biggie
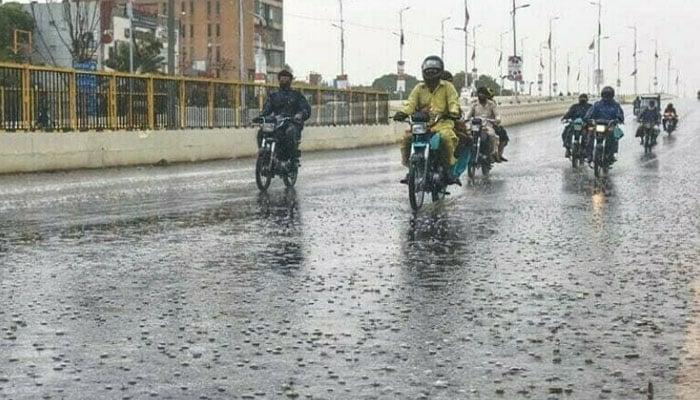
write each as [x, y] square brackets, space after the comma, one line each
[44, 98]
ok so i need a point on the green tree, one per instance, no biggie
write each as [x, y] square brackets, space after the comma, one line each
[387, 83]
[13, 16]
[484, 80]
[147, 58]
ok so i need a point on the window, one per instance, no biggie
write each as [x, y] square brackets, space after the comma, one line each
[218, 54]
[208, 7]
[208, 30]
[191, 31]
[218, 7]
[191, 8]
[183, 33]
[218, 30]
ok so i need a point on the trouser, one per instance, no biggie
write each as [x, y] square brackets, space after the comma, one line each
[287, 142]
[448, 145]
[494, 141]
[567, 136]
[503, 138]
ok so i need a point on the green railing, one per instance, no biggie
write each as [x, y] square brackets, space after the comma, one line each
[36, 98]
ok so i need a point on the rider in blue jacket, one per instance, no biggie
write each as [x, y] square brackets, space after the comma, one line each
[651, 114]
[606, 109]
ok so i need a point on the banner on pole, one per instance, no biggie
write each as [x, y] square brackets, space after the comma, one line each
[515, 68]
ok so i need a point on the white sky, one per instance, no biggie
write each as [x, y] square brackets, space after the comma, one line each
[372, 50]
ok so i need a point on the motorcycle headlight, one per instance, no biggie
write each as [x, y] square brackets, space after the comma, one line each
[268, 127]
[419, 129]
[601, 128]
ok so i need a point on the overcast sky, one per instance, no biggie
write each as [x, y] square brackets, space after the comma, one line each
[372, 49]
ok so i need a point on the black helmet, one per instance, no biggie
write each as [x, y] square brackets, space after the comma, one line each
[446, 76]
[432, 68]
[607, 93]
[652, 103]
[583, 96]
[483, 90]
[285, 72]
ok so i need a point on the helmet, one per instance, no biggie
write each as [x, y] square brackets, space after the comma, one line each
[285, 72]
[607, 93]
[652, 103]
[670, 105]
[483, 90]
[583, 96]
[446, 76]
[432, 68]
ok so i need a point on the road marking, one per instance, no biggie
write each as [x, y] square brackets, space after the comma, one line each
[689, 378]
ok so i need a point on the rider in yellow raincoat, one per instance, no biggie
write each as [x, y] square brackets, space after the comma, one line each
[440, 101]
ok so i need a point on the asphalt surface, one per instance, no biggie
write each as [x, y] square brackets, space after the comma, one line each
[183, 282]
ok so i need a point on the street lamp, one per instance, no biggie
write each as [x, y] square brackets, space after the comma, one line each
[474, 69]
[515, 43]
[442, 37]
[549, 46]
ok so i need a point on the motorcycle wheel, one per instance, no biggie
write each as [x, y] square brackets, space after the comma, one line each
[647, 143]
[290, 178]
[485, 169]
[263, 170]
[597, 164]
[575, 150]
[417, 173]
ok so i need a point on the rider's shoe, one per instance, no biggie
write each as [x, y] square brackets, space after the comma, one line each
[503, 159]
[568, 153]
[404, 180]
[453, 180]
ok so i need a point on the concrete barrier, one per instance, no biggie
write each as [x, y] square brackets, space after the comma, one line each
[49, 151]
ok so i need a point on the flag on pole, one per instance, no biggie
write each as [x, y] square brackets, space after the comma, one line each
[656, 54]
[592, 46]
[541, 63]
[500, 59]
[466, 15]
[634, 54]
[474, 54]
[402, 39]
[600, 29]
[578, 76]
[634, 73]
[549, 41]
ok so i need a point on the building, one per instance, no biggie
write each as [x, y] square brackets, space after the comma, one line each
[269, 39]
[148, 25]
[61, 24]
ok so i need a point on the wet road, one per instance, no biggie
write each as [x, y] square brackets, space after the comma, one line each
[182, 282]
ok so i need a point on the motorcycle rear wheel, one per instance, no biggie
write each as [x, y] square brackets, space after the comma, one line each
[417, 174]
[290, 178]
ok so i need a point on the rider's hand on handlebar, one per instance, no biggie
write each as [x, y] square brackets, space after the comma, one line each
[400, 116]
[299, 118]
[257, 120]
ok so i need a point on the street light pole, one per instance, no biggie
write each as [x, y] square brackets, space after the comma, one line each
[401, 44]
[668, 75]
[656, 66]
[476, 71]
[599, 73]
[636, 71]
[515, 44]
[549, 45]
[342, 40]
[130, 14]
[442, 38]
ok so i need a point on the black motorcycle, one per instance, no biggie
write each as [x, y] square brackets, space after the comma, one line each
[268, 165]
[578, 141]
[481, 148]
[649, 133]
[601, 132]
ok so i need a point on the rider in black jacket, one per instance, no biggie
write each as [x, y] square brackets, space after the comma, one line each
[577, 110]
[291, 103]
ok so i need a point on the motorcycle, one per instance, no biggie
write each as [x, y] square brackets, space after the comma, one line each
[650, 132]
[426, 172]
[669, 123]
[481, 147]
[268, 165]
[578, 146]
[600, 133]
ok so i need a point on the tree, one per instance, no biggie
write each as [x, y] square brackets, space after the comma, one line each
[484, 80]
[147, 56]
[387, 83]
[75, 24]
[12, 17]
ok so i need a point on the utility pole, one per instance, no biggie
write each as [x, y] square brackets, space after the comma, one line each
[656, 66]
[130, 14]
[515, 45]
[401, 44]
[442, 37]
[171, 37]
[342, 39]
[636, 71]
[466, 43]
[549, 46]
[599, 72]
[476, 71]
[668, 75]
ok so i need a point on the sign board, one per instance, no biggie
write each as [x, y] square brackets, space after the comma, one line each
[401, 68]
[515, 68]
[400, 85]
[555, 88]
[540, 81]
[341, 82]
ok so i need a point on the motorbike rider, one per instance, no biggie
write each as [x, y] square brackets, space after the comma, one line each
[606, 109]
[670, 109]
[291, 103]
[651, 115]
[461, 129]
[487, 109]
[636, 104]
[576, 111]
[439, 100]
